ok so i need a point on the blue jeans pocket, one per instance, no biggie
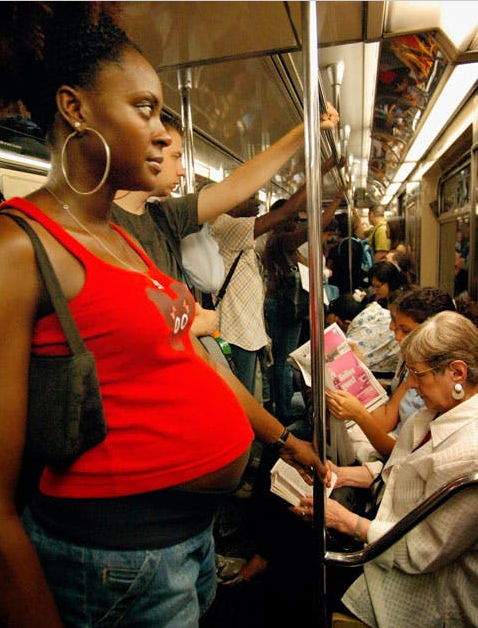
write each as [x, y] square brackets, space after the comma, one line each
[118, 579]
[123, 586]
[95, 588]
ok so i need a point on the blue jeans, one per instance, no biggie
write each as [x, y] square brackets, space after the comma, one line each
[245, 362]
[285, 338]
[95, 588]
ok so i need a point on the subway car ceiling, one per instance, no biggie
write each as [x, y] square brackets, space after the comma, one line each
[388, 67]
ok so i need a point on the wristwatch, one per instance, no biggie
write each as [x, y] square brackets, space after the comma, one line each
[282, 438]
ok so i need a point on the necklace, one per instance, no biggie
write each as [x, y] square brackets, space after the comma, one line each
[66, 207]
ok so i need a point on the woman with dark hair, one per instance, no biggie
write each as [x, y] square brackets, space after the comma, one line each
[123, 534]
[367, 325]
[385, 277]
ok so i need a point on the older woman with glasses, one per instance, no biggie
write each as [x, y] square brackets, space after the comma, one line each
[429, 577]
[381, 426]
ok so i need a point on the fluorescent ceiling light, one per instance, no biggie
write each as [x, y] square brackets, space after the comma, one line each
[459, 21]
[370, 68]
[392, 189]
[456, 88]
[404, 170]
[22, 160]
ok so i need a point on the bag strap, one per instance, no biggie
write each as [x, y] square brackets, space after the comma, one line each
[50, 280]
[222, 289]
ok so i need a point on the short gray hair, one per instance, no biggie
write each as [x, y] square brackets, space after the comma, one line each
[441, 339]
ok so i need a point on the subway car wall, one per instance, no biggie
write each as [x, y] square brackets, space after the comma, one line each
[404, 79]
[385, 69]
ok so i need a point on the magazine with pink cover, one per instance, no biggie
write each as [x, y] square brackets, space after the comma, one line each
[344, 370]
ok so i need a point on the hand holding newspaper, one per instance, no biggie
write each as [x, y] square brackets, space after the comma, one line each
[343, 369]
[286, 482]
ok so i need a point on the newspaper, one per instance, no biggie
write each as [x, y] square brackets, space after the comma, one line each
[304, 280]
[286, 482]
[343, 369]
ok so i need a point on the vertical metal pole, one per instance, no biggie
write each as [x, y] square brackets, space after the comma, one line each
[314, 209]
[184, 86]
[349, 242]
[473, 254]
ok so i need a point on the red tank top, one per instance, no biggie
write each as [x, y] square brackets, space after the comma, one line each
[170, 417]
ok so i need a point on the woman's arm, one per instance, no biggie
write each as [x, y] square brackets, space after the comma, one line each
[244, 181]
[357, 227]
[389, 414]
[346, 407]
[336, 517]
[443, 537]
[24, 596]
[266, 427]
[358, 476]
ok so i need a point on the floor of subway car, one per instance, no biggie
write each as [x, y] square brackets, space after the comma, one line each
[280, 597]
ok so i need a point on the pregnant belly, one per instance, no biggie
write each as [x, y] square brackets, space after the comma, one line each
[222, 479]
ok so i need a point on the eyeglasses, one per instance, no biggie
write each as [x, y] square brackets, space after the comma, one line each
[419, 373]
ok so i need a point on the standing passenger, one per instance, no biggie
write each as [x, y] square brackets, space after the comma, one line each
[123, 535]
[378, 236]
[160, 225]
[281, 252]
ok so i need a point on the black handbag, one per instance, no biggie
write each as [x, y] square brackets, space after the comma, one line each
[293, 299]
[65, 411]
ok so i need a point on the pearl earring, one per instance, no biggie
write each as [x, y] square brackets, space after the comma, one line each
[458, 392]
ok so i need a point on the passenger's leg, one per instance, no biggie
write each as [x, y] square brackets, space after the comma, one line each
[285, 338]
[245, 362]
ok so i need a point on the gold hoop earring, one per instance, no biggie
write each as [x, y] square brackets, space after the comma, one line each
[80, 134]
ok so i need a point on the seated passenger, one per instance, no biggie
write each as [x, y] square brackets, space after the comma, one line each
[369, 330]
[428, 577]
[408, 311]
[384, 277]
[469, 308]
[403, 261]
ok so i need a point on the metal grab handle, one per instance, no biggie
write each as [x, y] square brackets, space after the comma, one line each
[329, 146]
[415, 516]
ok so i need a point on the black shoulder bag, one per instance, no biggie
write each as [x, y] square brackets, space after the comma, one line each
[293, 299]
[65, 411]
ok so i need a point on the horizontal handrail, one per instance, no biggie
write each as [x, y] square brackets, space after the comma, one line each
[415, 516]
